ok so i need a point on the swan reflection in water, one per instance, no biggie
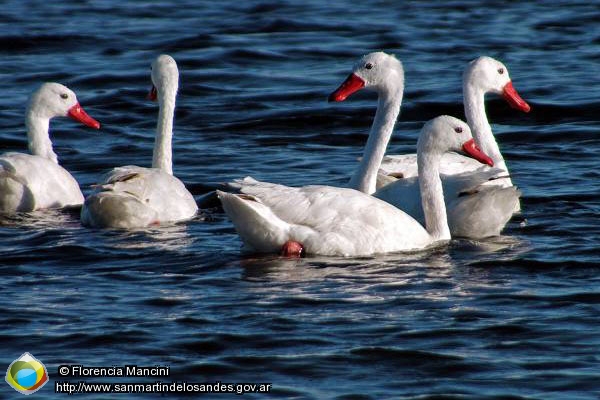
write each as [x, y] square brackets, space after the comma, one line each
[432, 274]
[167, 237]
[51, 218]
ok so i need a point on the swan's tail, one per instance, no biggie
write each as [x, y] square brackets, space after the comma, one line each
[260, 229]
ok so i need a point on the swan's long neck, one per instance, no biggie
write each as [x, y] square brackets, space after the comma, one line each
[480, 127]
[432, 195]
[163, 153]
[388, 108]
[39, 137]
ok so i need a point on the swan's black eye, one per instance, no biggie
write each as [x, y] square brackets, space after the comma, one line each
[64, 96]
[458, 129]
[369, 66]
[500, 71]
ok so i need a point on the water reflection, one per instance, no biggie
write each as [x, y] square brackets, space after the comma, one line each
[457, 252]
[166, 237]
[434, 276]
[64, 227]
[384, 268]
[43, 219]
[498, 248]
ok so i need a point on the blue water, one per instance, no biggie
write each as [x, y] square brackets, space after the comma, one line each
[511, 317]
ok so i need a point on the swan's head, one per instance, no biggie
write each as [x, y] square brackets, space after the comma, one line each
[56, 100]
[379, 71]
[165, 77]
[490, 75]
[446, 133]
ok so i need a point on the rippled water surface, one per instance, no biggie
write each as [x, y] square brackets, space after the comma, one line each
[511, 317]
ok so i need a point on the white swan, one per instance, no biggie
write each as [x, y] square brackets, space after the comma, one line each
[134, 197]
[482, 75]
[35, 181]
[332, 221]
[473, 210]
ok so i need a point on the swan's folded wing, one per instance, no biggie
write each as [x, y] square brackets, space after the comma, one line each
[122, 174]
[49, 184]
[469, 181]
[296, 205]
[482, 213]
[399, 165]
[405, 166]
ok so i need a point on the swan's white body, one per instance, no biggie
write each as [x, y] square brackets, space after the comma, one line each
[345, 222]
[35, 181]
[135, 197]
[475, 211]
[326, 220]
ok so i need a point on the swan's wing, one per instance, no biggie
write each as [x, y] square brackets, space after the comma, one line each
[454, 163]
[149, 185]
[399, 165]
[47, 184]
[483, 212]
[405, 166]
[469, 181]
[317, 206]
[307, 205]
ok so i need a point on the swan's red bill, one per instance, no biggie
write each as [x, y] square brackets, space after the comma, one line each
[352, 84]
[472, 150]
[153, 95]
[292, 248]
[78, 114]
[512, 97]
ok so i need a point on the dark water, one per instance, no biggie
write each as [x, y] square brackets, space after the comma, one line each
[513, 317]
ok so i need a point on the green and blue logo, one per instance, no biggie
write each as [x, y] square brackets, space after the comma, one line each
[26, 374]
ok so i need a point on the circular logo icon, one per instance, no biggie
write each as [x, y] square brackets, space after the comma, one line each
[26, 374]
